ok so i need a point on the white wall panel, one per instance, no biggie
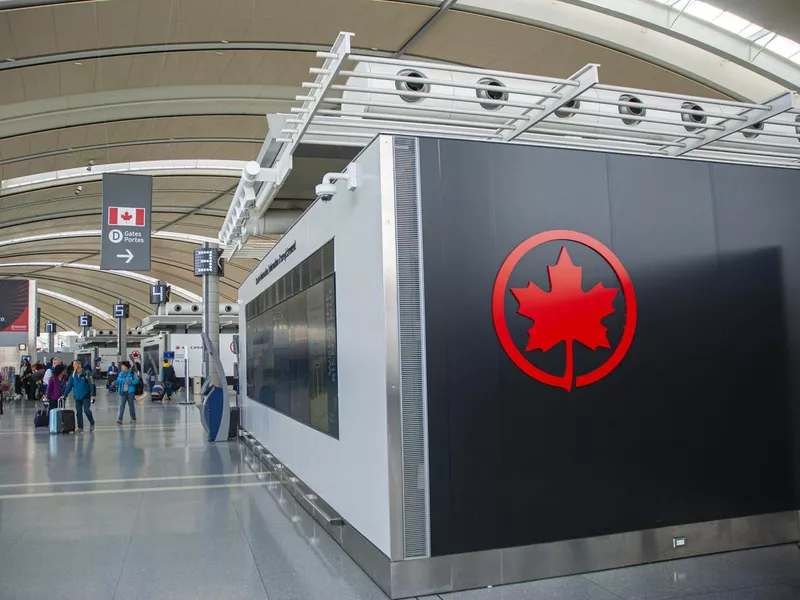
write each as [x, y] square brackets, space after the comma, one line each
[350, 473]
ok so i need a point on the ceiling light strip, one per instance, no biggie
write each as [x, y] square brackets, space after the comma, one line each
[184, 293]
[79, 303]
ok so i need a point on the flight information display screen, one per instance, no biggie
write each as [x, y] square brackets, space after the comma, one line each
[291, 357]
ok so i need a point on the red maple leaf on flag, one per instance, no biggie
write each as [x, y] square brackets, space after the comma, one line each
[126, 216]
[566, 313]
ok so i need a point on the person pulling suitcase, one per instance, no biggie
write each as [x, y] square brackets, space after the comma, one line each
[81, 384]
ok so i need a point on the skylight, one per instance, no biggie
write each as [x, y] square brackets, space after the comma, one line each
[737, 25]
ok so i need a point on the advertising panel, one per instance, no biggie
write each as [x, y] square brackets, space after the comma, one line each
[608, 343]
[13, 306]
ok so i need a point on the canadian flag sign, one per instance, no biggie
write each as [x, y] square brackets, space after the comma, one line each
[126, 216]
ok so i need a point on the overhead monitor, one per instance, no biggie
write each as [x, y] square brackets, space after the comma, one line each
[84, 321]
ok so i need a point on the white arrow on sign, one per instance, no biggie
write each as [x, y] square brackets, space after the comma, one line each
[128, 255]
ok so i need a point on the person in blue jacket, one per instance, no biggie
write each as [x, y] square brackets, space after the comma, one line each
[80, 384]
[126, 386]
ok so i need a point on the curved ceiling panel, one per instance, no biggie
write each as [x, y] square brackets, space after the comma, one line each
[141, 90]
[69, 27]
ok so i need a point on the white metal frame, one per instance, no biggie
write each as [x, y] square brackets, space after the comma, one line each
[333, 113]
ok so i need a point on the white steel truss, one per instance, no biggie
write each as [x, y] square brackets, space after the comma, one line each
[351, 106]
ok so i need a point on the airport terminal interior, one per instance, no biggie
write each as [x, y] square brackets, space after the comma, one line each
[399, 299]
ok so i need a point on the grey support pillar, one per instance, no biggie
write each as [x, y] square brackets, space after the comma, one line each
[51, 339]
[33, 319]
[211, 313]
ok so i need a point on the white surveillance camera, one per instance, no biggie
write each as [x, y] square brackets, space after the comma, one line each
[326, 191]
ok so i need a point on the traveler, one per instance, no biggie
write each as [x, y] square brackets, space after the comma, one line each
[111, 375]
[36, 385]
[49, 372]
[168, 377]
[126, 385]
[80, 383]
[25, 373]
[55, 387]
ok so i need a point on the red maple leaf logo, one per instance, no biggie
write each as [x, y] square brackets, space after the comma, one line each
[126, 216]
[566, 313]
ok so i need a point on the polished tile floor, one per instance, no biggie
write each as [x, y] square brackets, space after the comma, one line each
[152, 511]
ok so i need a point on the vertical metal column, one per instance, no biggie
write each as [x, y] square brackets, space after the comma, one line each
[51, 341]
[122, 336]
[33, 318]
[211, 316]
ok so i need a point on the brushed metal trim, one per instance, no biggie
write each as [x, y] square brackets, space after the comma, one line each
[366, 555]
[413, 388]
[458, 572]
[392, 311]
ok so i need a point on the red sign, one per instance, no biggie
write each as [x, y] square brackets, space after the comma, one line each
[125, 216]
[565, 313]
[135, 355]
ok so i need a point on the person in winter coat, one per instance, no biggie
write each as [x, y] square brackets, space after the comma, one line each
[80, 383]
[168, 377]
[126, 386]
[55, 387]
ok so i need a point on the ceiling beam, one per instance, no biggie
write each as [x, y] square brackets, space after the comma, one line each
[230, 46]
[180, 140]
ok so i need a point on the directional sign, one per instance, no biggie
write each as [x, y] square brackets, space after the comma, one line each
[127, 204]
[84, 320]
[121, 311]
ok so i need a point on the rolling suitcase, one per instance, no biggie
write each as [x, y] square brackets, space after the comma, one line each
[62, 420]
[42, 419]
[157, 392]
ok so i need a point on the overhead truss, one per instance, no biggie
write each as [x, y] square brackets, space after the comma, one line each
[354, 97]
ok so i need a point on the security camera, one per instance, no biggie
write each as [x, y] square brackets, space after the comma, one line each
[326, 191]
[78, 190]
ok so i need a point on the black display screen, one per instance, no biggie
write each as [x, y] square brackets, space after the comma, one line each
[291, 357]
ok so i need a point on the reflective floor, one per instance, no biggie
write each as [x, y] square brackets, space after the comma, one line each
[152, 511]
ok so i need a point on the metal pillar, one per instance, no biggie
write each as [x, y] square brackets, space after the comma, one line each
[33, 318]
[122, 336]
[51, 341]
[211, 317]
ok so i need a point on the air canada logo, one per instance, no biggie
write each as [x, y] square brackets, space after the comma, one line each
[564, 315]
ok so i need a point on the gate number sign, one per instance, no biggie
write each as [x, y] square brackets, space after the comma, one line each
[120, 311]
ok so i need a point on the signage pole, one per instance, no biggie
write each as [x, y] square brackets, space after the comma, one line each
[122, 335]
[51, 340]
[211, 314]
[33, 319]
